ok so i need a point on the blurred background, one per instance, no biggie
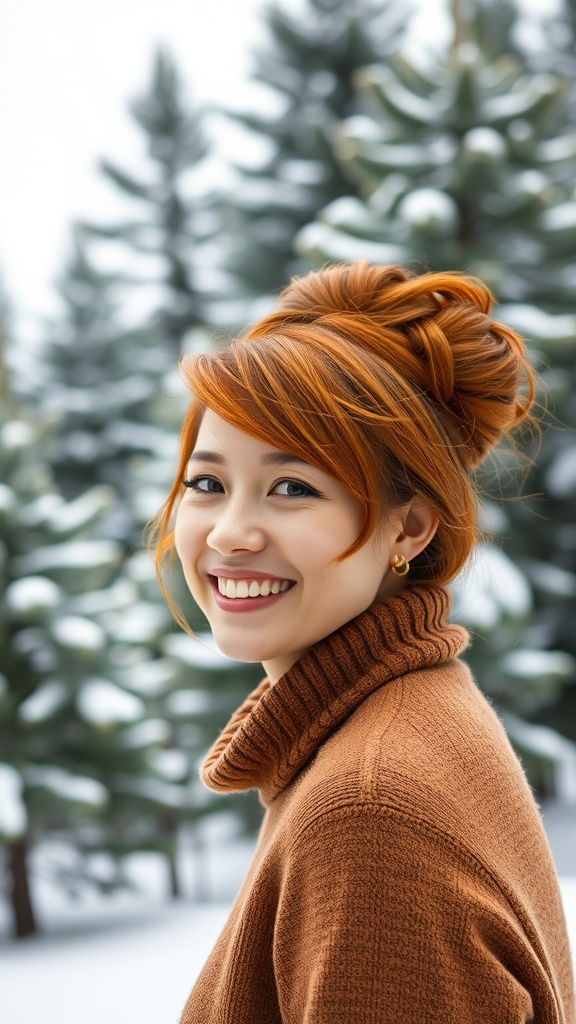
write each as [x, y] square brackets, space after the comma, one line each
[164, 169]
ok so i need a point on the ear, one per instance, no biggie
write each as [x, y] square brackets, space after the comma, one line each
[416, 529]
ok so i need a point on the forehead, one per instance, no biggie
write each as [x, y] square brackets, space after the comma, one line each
[219, 441]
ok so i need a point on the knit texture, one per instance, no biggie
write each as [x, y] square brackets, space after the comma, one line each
[402, 873]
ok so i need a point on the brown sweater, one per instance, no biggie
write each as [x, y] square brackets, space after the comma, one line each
[402, 873]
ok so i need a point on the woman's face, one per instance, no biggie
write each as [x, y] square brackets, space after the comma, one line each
[257, 533]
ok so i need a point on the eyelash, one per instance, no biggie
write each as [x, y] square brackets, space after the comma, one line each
[194, 482]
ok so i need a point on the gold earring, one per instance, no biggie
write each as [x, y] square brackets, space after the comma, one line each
[400, 565]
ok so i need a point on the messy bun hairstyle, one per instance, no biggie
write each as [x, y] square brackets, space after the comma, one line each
[395, 384]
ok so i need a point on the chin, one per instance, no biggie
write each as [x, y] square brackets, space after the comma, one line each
[238, 649]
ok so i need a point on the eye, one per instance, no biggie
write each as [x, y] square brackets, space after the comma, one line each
[294, 489]
[204, 485]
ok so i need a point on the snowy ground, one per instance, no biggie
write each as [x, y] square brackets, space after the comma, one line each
[132, 959]
[134, 966]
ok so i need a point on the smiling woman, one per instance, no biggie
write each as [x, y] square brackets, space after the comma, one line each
[253, 540]
[324, 496]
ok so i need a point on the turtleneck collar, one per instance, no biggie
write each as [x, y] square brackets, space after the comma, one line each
[279, 728]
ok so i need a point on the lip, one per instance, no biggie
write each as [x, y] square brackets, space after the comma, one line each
[246, 574]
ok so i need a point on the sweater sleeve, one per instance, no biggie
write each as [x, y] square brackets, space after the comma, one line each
[384, 920]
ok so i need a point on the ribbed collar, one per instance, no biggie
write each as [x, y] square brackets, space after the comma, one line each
[278, 728]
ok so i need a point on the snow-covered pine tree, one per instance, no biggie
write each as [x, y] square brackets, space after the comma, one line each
[165, 246]
[550, 44]
[306, 67]
[99, 381]
[110, 378]
[467, 162]
[84, 772]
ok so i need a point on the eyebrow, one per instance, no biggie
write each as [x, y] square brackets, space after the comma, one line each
[271, 459]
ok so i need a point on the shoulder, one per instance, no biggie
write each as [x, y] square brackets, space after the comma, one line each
[428, 753]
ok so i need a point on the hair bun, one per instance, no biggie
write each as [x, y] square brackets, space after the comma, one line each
[435, 331]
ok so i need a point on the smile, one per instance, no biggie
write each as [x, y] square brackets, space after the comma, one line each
[251, 588]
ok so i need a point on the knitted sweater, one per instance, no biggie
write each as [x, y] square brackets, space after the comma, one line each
[402, 873]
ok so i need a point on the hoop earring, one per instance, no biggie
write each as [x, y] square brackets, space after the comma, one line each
[400, 565]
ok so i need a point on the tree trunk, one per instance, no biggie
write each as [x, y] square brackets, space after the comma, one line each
[169, 826]
[175, 891]
[24, 921]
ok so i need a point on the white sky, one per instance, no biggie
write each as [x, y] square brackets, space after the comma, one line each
[67, 71]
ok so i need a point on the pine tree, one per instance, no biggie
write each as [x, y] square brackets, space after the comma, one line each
[552, 546]
[468, 164]
[100, 382]
[307, 67]
[109, 379]
[166, 244]
[550, 45]
[85, 774]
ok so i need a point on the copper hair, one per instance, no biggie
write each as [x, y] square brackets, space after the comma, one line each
[395, 384]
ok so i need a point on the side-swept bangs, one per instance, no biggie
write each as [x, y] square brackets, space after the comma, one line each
[313, 394]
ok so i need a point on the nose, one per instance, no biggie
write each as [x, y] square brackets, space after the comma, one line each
[236, 529]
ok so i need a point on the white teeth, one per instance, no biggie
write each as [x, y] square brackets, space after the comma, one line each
[251, 588]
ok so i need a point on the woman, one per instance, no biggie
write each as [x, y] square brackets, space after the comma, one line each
[323, 499]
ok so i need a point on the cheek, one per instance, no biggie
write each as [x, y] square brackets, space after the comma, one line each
[185, 535]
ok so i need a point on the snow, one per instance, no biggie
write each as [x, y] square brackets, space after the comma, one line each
[550, 745]
[485, 143]
[140, 623]
[86, 554]
[522, 102]
[151, 678]
[65, 785]
[7, 499]
[533, 664]
[164, 794]
[320, 241]
[561, 217]
[490, 586]
[32, 594]
[104, 704]
[550, 579]
[16, 434]
[429, 209]
[136, 968]
[172, 765]
[537, 324]
[350, 214]
[43, 702]
[121, 594]
[78, 634]
[188, 703]
[144, 734]
[13, 815]
[303, 172]
[199, 651]
[405, 104]
[73, 515]
[362, 128]
[561, 474]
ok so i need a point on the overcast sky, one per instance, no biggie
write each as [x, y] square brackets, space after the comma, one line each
[67, 71]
